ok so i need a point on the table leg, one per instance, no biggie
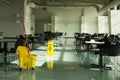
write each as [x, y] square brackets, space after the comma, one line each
[5, 52]
[100, 60]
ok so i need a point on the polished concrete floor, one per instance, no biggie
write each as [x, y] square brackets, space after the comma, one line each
[67, 64]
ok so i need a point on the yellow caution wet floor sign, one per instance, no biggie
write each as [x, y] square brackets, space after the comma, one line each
[50, 49]
[50, 62]
[50, 54]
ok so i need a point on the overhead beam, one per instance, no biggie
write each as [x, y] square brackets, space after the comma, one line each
[78, 1]
[47, 2]
[110, 5]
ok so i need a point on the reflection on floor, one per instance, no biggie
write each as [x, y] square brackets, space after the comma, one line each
[66, 64]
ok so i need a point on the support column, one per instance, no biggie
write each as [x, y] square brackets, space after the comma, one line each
[53, 23]
[27, 17]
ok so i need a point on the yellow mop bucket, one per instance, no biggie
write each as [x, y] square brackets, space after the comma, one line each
[22, 53]
[23, 62]
[22, 50]
[31, 61]
[26, 61]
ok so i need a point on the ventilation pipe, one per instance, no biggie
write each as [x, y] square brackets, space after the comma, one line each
[108, 6]
[33, 4]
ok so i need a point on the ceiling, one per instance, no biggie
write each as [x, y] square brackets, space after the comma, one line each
[68, 2]
[55, 2]
[12, 3]
[59, 3]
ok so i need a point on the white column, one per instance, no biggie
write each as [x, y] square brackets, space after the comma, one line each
[103, 25]
[27, 17]
[53, 23]
[33, 24]
[115, 21]
[83, 24]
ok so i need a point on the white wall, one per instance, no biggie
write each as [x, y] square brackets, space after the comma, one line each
[66, 19]
[8, 18]
[41, 17]
[70, 20]
[12, 29]
[39, 25]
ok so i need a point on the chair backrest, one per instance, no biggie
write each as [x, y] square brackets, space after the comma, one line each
[111, 50]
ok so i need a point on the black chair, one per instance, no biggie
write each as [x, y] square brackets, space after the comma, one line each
[111, 47]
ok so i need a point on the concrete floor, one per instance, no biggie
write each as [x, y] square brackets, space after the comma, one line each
[68, 64]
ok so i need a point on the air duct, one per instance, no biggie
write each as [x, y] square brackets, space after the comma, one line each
[108, 6]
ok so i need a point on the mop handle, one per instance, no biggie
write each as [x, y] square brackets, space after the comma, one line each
[26, 39]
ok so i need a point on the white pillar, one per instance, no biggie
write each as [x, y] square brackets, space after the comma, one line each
[33, 24]
[27, 17]
[103, 25]
[53, 23]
